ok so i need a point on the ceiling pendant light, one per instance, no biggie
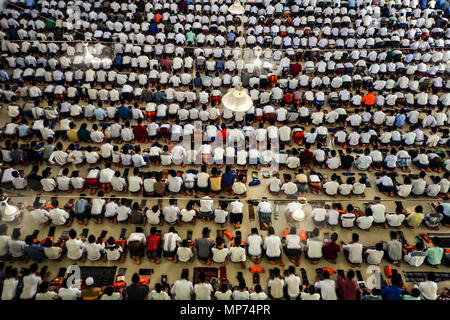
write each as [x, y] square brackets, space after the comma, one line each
[237, 99]
[9, 210]
[236, 8]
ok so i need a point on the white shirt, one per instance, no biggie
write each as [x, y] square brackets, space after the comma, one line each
[9, 288]
[314, 248]
[355, 252]
[364, 222]
[184, 254]
[237, 254]
[318, 214]
[170, 240]
[293, 285]
[331, 187]
[58, 216]
[74, 249]
[40, 216]
[182, 289]
[69, 293]
[219, 255]
[276, 287]
[94, 251]
[31, 283]
[378, 212]
[428, 289]
[203, 291]
[374, 256]
[327, 289]
[272, 245]
[395, 220]
[254, 245]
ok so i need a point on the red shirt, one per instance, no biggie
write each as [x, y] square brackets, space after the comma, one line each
[306, 157]
[288, 97]
[295, 69]
[347, 289]
[166, 63]
[158, 17]
[153, 242]
[331, 250]
[222, 134]
[140, 132]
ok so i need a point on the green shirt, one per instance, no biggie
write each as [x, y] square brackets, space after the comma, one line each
[190, 36]
[408, 297]
[434, 255]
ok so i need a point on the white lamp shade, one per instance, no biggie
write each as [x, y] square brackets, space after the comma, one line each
[9, 210]
[237, 100]
[236, 8]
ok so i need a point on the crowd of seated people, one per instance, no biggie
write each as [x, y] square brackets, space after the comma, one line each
[123, 99]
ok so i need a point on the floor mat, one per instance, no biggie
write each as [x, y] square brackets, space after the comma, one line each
[210, 273]
[103, 276]
[420, 276]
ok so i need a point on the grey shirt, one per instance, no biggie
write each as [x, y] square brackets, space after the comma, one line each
[394, 249]
[203, 247]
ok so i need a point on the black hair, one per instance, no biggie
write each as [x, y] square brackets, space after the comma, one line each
[135, 278]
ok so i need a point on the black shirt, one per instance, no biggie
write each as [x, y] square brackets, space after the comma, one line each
[33, 156]
[347, 161]
[136, 292]
[34, 181]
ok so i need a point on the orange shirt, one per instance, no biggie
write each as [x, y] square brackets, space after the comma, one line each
[158, 17]
[369, 99]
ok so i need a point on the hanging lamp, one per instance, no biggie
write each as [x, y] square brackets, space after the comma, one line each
[237, 99]
[236, 8]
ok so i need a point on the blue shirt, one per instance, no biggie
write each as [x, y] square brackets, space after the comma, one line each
[231, 36]
[23, 130]
[35, 251]
[3, 76]
[153, 29]
[399, 120]
[228, 178]
[80, 206]
[159, 96]
[100, 114]
[124, 112]
[118, 61]
[219, 65]
[198, 82]
[391, 293]
[446, 206]
[21, 62]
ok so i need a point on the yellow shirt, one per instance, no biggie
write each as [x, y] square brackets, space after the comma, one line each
[301, 178]
[91, 293]
[72, 134]
[216, 183]
[414, 219]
